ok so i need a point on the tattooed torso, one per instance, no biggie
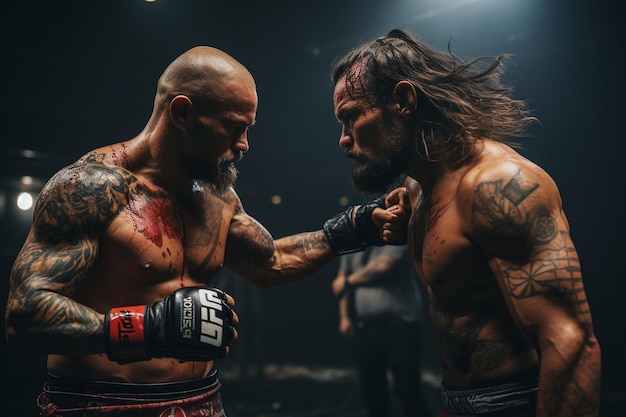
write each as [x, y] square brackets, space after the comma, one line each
[483, 242]
[125, 241]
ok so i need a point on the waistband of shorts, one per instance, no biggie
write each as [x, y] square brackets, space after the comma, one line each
[61, 384]
[513, 398]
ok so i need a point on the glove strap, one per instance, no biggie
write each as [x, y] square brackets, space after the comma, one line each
[125, 334]
[366, 229]
[340, 233]
[345, 238]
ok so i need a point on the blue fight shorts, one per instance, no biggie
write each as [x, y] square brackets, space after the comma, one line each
[515, 399]
[67, 397]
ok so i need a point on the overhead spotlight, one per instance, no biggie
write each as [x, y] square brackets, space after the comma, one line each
[276, 199]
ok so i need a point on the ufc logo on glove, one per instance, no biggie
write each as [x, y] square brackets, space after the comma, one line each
[194, 323]
[211, 326]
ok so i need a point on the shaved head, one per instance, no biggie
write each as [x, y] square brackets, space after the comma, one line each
[204, 72]
[206, 99]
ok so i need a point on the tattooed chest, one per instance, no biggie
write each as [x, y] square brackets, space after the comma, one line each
[168, 238]
[447, 261]
[431, 236]
[417, 229]
[205, 246]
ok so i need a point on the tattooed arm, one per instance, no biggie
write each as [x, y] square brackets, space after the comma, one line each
[59, 251]
[518, 220]
[252, 252]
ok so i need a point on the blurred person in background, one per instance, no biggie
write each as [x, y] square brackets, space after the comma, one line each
[381, 312]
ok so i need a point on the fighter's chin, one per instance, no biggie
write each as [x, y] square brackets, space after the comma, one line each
[222, 179]
[372, 180]
[225, 179]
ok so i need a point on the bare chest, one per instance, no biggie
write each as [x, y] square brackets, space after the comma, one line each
[446, 260]
[163, 242]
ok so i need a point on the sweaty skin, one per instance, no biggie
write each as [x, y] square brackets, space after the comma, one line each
[137, 245]
[130, 223]
[492, 245]
[479, 341]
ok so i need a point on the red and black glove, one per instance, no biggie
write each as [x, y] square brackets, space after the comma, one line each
[194, 323]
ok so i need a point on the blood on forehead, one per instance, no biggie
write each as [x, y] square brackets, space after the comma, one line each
[353, 79]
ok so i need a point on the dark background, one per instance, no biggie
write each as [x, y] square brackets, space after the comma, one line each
[79, 75]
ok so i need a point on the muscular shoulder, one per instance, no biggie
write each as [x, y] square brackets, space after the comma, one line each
[85, 194]
[246, 237]
[505, 194]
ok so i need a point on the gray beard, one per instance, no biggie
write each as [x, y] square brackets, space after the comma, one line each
[222, 177]
[225, 177]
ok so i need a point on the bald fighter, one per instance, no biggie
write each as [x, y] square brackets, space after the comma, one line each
[113, 282]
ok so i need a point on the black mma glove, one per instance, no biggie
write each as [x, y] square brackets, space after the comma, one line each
[346, 238]
[194, 323]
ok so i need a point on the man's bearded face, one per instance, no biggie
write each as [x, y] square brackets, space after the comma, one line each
[374, 178]
[221, 177]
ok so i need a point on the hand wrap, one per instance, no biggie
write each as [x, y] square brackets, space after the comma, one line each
[344, 237]
[194, 323]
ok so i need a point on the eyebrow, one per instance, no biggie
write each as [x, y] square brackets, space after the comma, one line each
[235, 118]
[344, 110]
[349, 110]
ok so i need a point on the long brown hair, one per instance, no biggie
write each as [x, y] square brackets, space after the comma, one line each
[458, 102]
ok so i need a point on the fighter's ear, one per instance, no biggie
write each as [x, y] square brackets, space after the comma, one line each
[179, 110]
[406, 98]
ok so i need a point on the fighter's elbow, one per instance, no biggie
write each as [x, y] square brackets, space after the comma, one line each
[570, 342]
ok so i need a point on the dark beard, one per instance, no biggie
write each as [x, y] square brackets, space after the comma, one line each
[372, 179]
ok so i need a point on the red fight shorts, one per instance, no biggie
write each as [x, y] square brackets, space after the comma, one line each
[64, 397]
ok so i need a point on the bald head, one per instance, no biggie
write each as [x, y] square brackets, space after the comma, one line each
[205, 102]
[205, 72]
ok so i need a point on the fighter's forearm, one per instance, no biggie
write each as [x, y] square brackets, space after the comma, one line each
[298, 256]
[570, 388]
[47, 322]
[253, 253]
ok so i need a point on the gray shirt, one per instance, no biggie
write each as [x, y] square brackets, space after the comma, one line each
[397, 294]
